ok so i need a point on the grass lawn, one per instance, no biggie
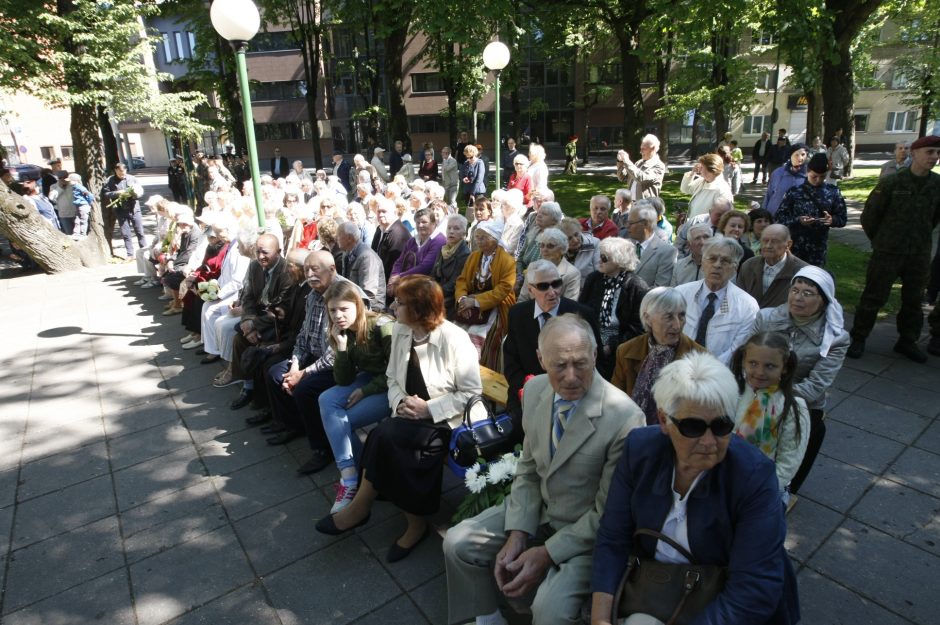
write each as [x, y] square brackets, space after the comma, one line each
[845, 262]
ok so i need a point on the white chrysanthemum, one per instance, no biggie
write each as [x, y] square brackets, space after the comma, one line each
[471, 475]
[500, 471]
[476, 484]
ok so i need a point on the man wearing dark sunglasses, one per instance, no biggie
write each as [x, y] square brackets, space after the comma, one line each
[526, 320]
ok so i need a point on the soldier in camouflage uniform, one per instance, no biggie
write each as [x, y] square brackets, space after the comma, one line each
[899, 217]
[809, 210]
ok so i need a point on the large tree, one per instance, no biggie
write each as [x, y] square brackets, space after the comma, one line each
[919, 62]
[82, 55]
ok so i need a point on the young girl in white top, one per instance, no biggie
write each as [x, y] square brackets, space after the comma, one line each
[769, 415]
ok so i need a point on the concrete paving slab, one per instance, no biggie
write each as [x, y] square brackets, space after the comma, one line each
[188, 576]
[63, 510]
[808, 526]
[424, 563]
[845, 442]
[835, 484]
[850, 380]
[919, 525]
[8, 486]
[896, 583]
[825, 601]
[338, 572]
[917, 469]
[244, 605]
[139, 417]
[902, 396]
[915, 374]
[177, 530]
[283, 534]
[877, 418]
[158, 477]
[930, 438]
[106, 599]
[52, 566]
[148, 444]
[257, 487]
[51, 439]
[431, 600]
[400, 610]
[231, 452]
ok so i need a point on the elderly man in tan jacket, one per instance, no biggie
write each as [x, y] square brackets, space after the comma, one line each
[540, 541]
[767, 277]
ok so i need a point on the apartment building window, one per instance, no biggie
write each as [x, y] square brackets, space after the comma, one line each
[47, 152]
[898, 80]
[281, 90]
[283, 131]
[901, 121]
[764, 38]
[273, 42]
[767, 80]
[427, 123]
[427, 83]
[167, 50]
[192, 43]
[756, 124]
[66, 152]
[861, 121]
[181, 50]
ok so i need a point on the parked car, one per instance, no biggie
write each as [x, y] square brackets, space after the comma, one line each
[136, 162]
[22, 171]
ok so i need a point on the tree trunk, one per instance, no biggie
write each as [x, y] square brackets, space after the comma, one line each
[107, 139]
[813, 116]
[721, 51]
[924, 116]
[663, 66]
[838, 91]
[53, 251]
[230, 100]
[394, 52]
[633, 115]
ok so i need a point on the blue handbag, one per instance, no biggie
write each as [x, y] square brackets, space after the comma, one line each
[484, 440]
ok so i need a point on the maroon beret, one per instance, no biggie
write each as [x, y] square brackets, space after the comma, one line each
[930, 141]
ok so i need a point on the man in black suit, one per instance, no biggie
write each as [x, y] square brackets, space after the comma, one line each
[390, 236]
[526, 320]
[759, 155]
[279, 165]
[395, 161]
[508, 168]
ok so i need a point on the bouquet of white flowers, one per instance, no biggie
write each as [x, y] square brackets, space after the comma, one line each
[209, 290]
[488, 483]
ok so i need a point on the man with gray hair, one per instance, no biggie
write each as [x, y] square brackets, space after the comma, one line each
[689, 269]
[599, 224]
[623, 200]
[540, 541]
[360, 265]
[719, 207]
[767, 277]
[657, 258]
[645, 177]
[525, 322]
[719, 314]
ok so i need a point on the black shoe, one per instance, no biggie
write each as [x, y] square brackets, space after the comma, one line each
[243, 399]
[321, 459]
[327, 526]
[283, 438]
[258, 419]
[274, 428]
[856, 349]
[910, 349]
[200, 352]
[396, 552]
[933, 347]
[211, 358]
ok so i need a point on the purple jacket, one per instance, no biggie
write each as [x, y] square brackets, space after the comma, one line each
[418, 261]
[781, 181]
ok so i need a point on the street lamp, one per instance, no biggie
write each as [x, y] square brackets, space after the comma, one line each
[496, 57]
[238, 21]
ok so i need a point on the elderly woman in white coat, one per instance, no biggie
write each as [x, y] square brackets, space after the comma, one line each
[705, 182]
[219, 317]
[719, 314]
[812, 319]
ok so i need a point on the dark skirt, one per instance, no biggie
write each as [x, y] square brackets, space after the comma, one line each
[192, 312]
[404, 460]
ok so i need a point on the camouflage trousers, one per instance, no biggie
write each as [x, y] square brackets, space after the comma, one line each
[883, 269]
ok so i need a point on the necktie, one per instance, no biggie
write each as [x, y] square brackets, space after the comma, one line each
[545, 317]
[562, 408]
[707, 314]
[639, 250]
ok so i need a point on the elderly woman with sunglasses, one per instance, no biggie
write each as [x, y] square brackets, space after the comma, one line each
[712, 494]
[553, 245]
[614, 292]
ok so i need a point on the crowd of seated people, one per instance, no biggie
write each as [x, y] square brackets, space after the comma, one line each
[633, 356]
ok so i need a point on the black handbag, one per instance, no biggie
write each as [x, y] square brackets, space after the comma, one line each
[487, 439]
[673, 593]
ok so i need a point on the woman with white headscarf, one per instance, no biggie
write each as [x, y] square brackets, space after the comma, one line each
[812, 319]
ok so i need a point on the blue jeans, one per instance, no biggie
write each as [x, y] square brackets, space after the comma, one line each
[340, 422]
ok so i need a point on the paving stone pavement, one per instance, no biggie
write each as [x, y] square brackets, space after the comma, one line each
[130, 493]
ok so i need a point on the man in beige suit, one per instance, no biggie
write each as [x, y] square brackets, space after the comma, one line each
[540, 541]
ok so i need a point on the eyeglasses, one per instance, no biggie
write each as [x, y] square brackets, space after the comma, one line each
[604, 258]
[806, 293]
[547, 245]
[693, 427]
[633, 223]
[544, 286]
